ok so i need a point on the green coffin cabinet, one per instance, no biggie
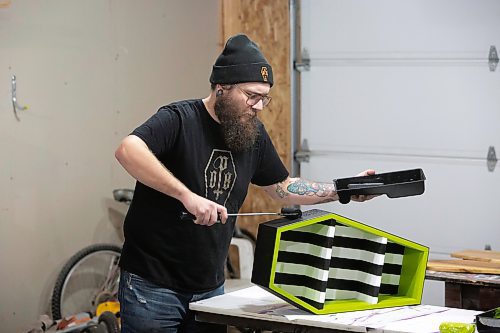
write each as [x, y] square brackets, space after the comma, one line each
[326, 263]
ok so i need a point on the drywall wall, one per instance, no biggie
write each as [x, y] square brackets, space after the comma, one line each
[89, 71]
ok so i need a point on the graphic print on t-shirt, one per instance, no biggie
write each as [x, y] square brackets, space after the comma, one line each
[220, 176]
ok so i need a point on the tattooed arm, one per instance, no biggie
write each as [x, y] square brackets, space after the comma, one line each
[298, 191]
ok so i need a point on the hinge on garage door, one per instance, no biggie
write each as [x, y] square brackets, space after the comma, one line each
[303, 154]
[304, 63]
[493, 58]
[491, 159]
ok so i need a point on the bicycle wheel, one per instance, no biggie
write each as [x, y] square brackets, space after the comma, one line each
[109, 320]
[88, 278]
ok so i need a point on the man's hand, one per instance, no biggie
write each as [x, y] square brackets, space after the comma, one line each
[361, 198]
[207, 212]
[369, 172]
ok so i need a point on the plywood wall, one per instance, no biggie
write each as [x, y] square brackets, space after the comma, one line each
[267, 23]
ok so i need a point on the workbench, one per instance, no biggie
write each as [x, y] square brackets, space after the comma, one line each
[469, 291]
[255, 308]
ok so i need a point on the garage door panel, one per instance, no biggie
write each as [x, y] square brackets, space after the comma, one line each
[453, 28]
[405, 110]
[455, 212]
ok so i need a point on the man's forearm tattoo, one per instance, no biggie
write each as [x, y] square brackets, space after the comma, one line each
[280, 191]
[304, 187]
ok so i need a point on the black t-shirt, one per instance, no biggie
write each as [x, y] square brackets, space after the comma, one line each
[177, 254]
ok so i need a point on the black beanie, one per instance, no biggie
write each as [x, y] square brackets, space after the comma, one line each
[241, 61]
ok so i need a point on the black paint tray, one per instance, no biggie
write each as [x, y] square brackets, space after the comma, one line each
[488, 322]
[393, 184]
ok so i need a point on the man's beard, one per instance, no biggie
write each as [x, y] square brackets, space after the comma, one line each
[239, 136]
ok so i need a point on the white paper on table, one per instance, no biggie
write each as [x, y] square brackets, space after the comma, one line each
[255, 302]
[431, 322]
[420, 318]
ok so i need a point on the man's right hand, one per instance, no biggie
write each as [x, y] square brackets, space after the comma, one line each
[206, 211]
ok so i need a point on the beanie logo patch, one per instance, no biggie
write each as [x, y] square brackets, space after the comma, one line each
[264, 73]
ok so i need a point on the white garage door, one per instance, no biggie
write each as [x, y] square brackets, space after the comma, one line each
[397, 85]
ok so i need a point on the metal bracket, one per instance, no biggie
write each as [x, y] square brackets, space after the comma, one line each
[491, 159]
[304, 153]
[304, 63]
[493, 58]
[15, 104]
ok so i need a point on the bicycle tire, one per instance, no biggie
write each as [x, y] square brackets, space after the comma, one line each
[67, 278]
[109, 320]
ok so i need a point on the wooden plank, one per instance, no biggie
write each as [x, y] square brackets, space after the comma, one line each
[479, 255]
[465, 266]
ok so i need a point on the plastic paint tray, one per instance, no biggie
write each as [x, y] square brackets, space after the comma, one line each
[393, 184]
[487, 323]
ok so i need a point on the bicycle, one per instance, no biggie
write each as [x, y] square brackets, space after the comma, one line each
[91, 276]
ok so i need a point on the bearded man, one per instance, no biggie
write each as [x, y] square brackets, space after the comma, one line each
[199, 156]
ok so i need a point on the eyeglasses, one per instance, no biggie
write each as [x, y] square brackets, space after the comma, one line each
[253, 99]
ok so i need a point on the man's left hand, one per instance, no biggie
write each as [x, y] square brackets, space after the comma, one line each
[361, 198]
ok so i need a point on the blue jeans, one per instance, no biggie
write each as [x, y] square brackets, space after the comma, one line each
[146, 307]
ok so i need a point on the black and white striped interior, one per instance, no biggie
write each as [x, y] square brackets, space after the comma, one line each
[329, 261]
[303, 262]
[356, 265]
[393, 264]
